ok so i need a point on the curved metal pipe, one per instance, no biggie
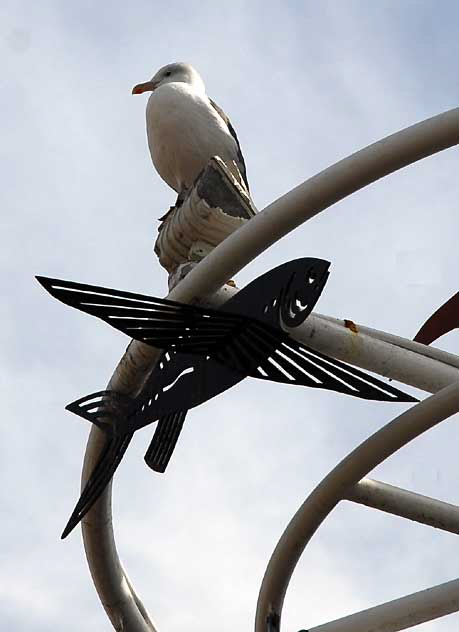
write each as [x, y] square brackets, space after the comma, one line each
[334, 488]
[117, 595]
[316, 194]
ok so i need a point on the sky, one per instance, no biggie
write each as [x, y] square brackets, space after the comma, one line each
[305, 84]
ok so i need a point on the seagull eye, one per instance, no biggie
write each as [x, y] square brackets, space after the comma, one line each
[168, 73]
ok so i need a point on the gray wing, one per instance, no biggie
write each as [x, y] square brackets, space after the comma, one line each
[232, 131]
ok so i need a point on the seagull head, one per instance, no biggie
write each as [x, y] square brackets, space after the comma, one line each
[172, 73]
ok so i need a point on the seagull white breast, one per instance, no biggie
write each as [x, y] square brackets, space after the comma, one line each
[184, 131]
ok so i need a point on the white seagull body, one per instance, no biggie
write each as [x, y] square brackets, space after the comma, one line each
[185, 128]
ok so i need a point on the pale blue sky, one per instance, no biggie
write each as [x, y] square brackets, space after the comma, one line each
[305, 84]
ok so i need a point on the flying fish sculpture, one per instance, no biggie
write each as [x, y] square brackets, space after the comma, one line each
[205, 352]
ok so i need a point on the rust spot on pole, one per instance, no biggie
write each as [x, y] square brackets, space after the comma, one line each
[349, 324]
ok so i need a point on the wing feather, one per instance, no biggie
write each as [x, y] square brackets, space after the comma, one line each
[232, 131]
[245, 344]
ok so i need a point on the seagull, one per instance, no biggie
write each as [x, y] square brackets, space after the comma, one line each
[185, 129]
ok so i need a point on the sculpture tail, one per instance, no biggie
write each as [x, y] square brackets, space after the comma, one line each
[110, 458]
[105, 409]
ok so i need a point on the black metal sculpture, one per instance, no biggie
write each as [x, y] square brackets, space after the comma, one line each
[206, 352]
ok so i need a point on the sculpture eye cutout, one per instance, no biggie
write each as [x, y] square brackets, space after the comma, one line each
[298, 295]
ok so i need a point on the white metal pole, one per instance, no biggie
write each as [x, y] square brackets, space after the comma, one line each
[406, 504]
[318, 193]
[310, 325]
[363, 347]
[400, 614]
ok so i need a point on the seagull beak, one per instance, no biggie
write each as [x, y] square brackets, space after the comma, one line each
[148, 86]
